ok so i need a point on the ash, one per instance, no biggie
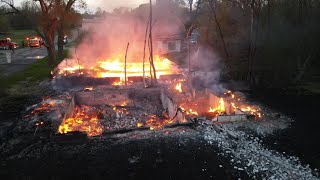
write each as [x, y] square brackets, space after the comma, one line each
[247, 153]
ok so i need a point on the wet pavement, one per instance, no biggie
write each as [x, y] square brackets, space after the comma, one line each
[20, 59]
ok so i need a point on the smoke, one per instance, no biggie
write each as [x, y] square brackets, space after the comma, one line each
[207, 69]
[108, 36]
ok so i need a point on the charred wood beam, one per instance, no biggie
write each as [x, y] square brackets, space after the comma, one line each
[123, 131]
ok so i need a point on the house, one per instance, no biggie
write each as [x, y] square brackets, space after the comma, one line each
[164, 44]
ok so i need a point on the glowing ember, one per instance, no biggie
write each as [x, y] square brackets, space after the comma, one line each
[88, 88]
[45, 107]
[139, 124]
[84, 121]
[156, 123]
[179, 87]
[120, 83]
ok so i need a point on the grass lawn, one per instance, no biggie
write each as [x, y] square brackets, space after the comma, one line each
[18, 36]
[34, 73]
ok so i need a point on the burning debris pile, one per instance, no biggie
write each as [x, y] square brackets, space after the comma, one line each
[117, 108]
[43, 117]
[228, 107]
[106, 105]
[113, 70]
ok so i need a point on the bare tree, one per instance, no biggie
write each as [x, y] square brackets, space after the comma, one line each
[212, 6]
[191, 24]
[64, 8]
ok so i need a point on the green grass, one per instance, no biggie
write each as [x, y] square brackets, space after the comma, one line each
[35, 72]
[18, 36]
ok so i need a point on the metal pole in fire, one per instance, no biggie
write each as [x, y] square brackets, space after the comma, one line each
[125, 65]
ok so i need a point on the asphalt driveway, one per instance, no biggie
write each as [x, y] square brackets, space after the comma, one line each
[20, 59]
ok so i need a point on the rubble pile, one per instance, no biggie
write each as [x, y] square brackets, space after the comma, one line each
[45, 116]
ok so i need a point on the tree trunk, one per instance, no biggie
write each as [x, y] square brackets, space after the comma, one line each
[51, 45]
[219, 28]
[60, 42]
[190, 7]
[51, 56]
[251, 40]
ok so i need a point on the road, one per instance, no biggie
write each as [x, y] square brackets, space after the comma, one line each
[21, 58]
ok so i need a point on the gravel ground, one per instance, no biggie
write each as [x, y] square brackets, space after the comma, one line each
[248, 154]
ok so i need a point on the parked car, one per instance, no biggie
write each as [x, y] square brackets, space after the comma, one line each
[7, 44]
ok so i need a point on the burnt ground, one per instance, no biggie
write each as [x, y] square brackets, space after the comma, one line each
[155, 156]
[152, 158]
[301, 139]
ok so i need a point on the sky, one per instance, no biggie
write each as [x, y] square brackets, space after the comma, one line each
[107, 5]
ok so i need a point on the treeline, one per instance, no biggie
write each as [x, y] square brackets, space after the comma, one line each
[268, 43]
[10, 20]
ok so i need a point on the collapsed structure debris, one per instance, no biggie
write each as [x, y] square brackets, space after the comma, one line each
[105, 110]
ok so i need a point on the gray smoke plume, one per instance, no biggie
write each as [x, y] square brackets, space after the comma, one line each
[206, 69]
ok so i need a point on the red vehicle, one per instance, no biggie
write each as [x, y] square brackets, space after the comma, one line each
[34, 41]
[7, 44]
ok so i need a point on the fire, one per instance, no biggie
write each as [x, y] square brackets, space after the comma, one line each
[252, 111]
[83, 121]
[46, 106]
[221, 109]
[114, 67]
[244, 108]
[179, 87]
[71, 70]
[120, 83]
[156, 123]
[189, 112]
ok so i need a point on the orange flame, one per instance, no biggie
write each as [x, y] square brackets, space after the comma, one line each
[245, 108]
[114, 67]
[179, 87]
[220, 109]
[81, 122]
[189, 112]
[156, 123]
